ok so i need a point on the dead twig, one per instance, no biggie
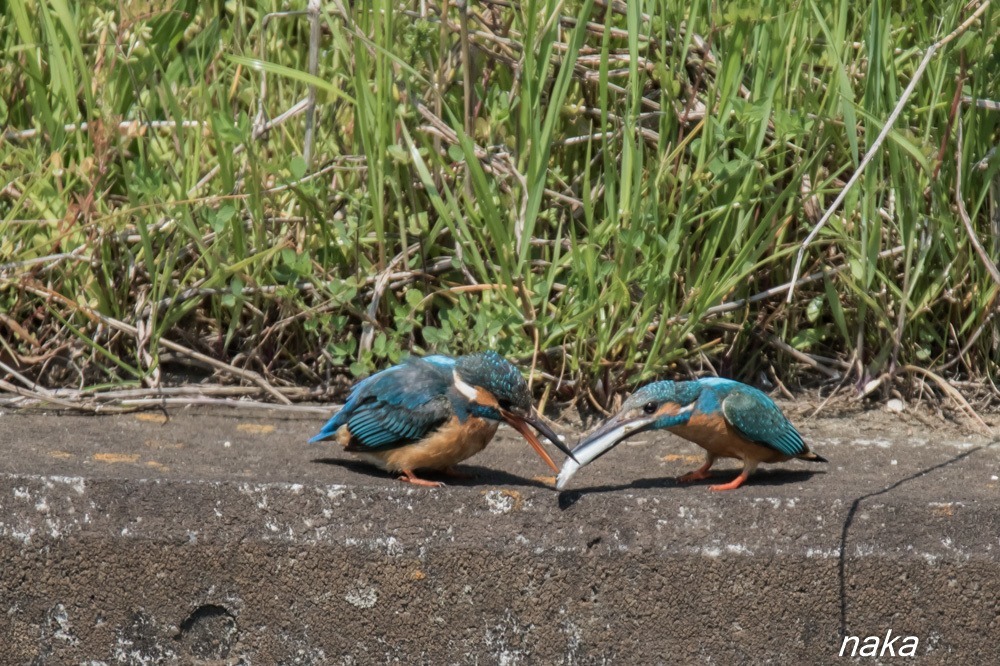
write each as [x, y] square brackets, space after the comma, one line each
[313, 10]
[987, 104]
[219, 402]
[50, 259]
[130, 128]
[968, 344]
[381, 282]
[737, 304]
[258, 130]
[886, 128]
[30, 385]
[840, 386]
[801, 357]
[47, 398]
[949, 390]
[595, 404]
[988, 263]
[248, 375]
[193, 391]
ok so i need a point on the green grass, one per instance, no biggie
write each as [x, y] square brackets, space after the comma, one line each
[581, 206]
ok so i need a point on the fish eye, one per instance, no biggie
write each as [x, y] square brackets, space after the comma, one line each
[649, 407]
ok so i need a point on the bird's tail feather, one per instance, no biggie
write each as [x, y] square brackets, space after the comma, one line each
[813, 457]
[329, 430]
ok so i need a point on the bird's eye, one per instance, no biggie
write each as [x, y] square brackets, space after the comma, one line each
[649, 407]
[504, 405]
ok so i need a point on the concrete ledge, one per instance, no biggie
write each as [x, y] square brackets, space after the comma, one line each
[263, 552]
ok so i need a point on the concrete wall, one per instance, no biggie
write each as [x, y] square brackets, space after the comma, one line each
[628, 568]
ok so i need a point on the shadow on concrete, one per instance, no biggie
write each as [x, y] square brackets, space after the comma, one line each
[766, 477]
[777, 477]
[842, 557]
[476, 476]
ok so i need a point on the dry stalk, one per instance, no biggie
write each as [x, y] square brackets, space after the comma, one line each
[886, 128]
[987, 262]
[248, 375]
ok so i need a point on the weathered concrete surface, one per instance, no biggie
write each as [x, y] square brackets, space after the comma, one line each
[215, 538]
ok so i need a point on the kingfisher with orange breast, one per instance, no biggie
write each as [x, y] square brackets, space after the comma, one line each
[434, 412]
[726, 418]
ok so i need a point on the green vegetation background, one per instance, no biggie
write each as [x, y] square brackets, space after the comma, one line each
[578, 185]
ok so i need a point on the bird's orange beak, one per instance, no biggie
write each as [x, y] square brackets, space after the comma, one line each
[521, 424]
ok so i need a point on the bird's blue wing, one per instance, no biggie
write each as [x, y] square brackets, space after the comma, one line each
[759, 420]
[394, 407]
[440, 361]
[359, 392]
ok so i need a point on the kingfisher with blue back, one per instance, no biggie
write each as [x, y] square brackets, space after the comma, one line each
[726, 418]
[434, 412]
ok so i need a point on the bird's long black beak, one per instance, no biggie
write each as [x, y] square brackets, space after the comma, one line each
[608, 435]
[521, 423]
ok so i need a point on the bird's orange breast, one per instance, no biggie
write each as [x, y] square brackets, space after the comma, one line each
[713, 433]
[449, 445]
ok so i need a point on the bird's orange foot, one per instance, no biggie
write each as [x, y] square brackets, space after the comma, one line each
[696, 475]
[455, 474]
[410, 477]
[732, 485]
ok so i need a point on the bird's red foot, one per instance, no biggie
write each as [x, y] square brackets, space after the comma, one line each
[455, 474]
[732, 485]
[410, 477]
[696, 475]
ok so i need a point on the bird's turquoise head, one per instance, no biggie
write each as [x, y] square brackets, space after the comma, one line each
[493, 374]
[494, 389]
[658, 405]
[653, 407]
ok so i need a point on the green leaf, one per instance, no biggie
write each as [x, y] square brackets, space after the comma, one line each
[222, 217]
[813, 309]
[806, 338]
[303, 265]
[291, 73]
[297, 165]
[838, 312]
[398, 154]
[413, 298]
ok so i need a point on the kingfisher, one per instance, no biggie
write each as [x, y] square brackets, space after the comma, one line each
[726, 418]
[434, 412]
